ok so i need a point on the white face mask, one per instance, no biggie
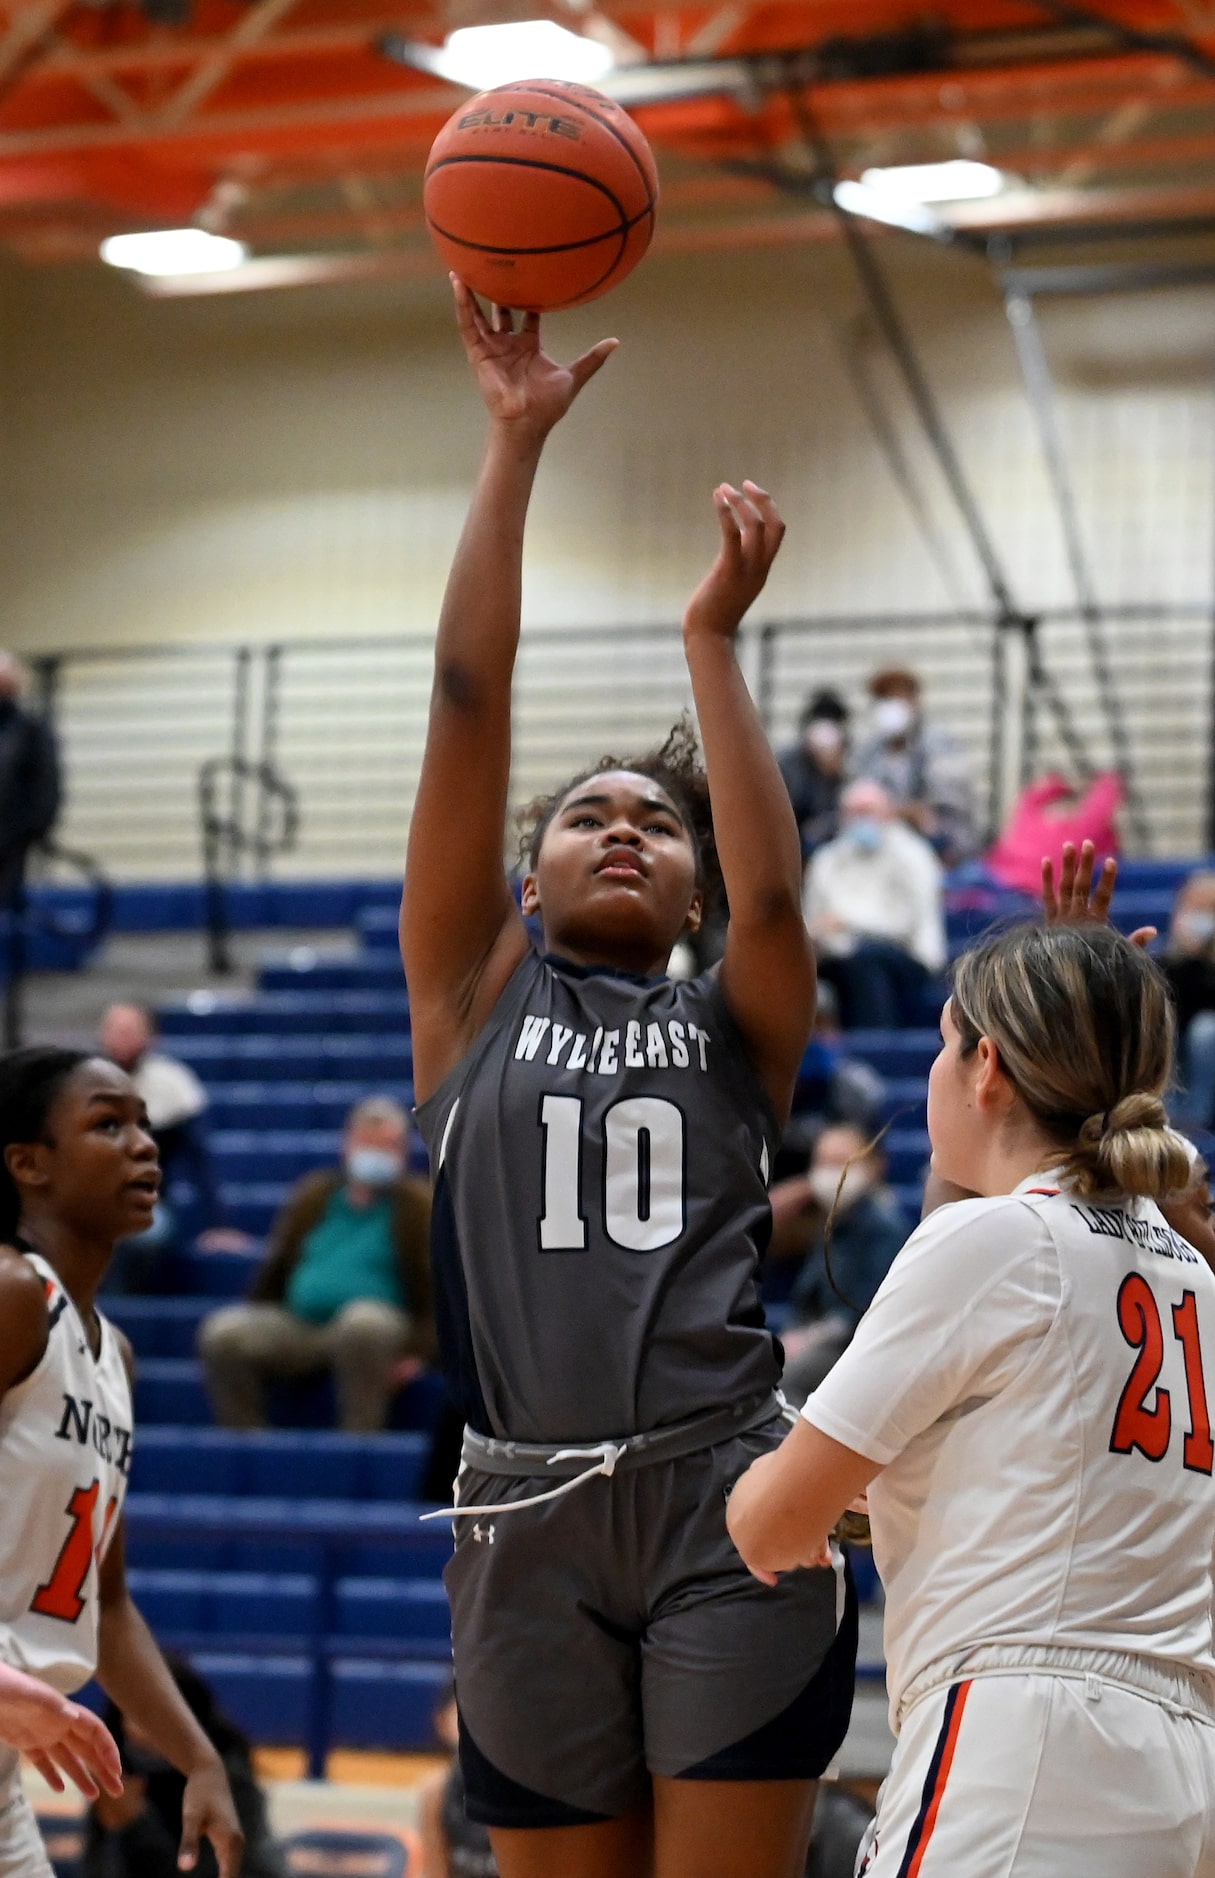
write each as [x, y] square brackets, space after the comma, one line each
[373, 1167]
[823, 738]
[1195, 927]
[824, 1182]
[893, 717]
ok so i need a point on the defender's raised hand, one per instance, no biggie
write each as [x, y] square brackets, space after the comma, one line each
[1076, 901]
[520, 384]
[751, 534]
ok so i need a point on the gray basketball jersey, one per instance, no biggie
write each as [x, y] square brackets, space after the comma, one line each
[600, 1160]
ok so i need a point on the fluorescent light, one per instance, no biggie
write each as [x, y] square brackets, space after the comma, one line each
[167, 251]
[484, 56]
[859, 199]
[958, 181]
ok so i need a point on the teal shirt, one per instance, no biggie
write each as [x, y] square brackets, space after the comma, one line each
[348, 1255]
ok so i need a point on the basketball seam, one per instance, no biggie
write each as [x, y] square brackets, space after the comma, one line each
[622, 231]
[554, 169]
[542, 91]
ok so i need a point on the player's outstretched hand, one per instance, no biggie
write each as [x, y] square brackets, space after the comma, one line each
[520, 384]
[1076, 901]
[207, 1811]
[59, 1737]
[751, 534]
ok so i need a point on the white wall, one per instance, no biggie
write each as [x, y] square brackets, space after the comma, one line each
[253, 468]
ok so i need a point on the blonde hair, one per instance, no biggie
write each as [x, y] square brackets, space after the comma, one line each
[1084, 1027]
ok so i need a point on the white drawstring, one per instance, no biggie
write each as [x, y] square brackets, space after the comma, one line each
[609, 1453]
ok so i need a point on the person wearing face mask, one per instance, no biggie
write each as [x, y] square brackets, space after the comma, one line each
[873, 903]
[813, 768]
[924, 769]
[845, 1182]
[1189, 966]
[345, 1285]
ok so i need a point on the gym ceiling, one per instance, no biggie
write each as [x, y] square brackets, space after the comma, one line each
[300, 127]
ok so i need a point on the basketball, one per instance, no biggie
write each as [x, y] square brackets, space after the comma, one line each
[541, 194]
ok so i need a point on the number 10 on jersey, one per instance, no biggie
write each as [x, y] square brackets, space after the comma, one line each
[644, 1190]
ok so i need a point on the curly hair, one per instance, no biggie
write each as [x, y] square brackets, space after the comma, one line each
[676, 766]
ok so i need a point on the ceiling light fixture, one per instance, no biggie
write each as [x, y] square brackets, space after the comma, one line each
[876, 206]
[168, 251]
[484, 56]
[959, 180]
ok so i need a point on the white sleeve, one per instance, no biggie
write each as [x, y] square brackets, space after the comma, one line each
[959, 1314]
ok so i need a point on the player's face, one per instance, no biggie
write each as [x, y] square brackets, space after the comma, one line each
[1191, 1216]
[97, 1169]
[954, 1122]
[615, 878]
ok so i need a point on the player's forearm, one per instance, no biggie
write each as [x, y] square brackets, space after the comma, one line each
[478, 633]
[133, 1673]
[753, 821]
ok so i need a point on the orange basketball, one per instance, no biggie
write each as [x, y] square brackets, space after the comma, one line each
[541, 194]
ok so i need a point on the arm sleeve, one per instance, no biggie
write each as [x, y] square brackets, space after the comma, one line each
[962, 1310]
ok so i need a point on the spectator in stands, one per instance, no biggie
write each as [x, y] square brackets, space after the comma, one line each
[453, 1845]
[814, 767]
[138, 1833]
[874, 906]
[176, 1103]
[345, 1286]
[924, 769]
[867, 1230]
[30, 788]
[1189, 965]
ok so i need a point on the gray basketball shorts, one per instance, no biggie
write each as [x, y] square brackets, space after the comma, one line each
[615, 1634]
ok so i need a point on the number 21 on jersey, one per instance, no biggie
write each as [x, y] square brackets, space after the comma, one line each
[1150, 1430]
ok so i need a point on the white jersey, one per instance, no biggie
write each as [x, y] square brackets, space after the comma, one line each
[1030, 1378]
[65, 1454]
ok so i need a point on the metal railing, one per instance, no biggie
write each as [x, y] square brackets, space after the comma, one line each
[343, 722]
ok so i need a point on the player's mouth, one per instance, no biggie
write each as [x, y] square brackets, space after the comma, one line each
[622, 864]
[147, 1185]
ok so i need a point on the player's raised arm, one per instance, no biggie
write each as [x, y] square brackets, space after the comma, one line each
[767, 974]
[461, 933]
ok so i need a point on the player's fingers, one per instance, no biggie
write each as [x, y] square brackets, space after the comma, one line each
[1050, 899]
[1067, 876]
[765, 1578]
[95, 1744]
[468, 313]
[39, 1758]
[229, 1846]
[1104, 893]
[187, 1853]
[749, 524]
[731, 535]
[1084, 875]
[74, 1768]
[530, 323]
[585, 368]
[770, 515]
[1143, 935]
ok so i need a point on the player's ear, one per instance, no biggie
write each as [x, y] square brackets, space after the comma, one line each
[529, 899]
[994, 1092]
[26, 1163]
[696, 914]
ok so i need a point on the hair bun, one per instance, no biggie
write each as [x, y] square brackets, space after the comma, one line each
[1141, 1110]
